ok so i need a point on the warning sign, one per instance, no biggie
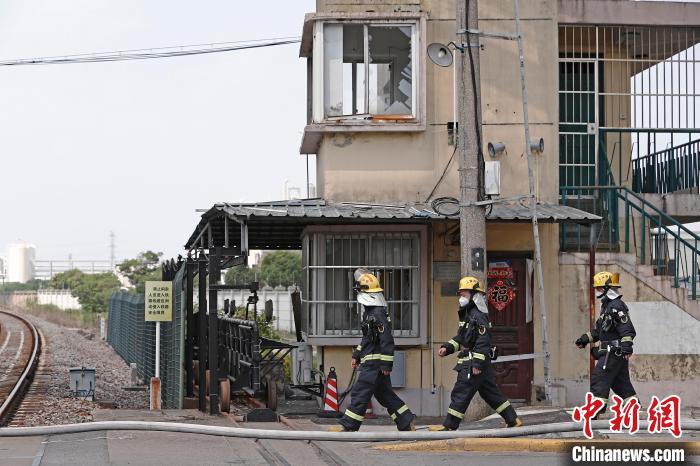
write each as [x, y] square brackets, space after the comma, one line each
[159, 301]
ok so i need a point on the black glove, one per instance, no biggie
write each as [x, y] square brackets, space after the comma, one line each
[582, 341]
[626, 349]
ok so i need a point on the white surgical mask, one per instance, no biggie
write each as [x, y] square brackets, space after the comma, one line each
[463, 301]
[611, 294]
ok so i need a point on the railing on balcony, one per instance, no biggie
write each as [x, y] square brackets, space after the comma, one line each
[635, 226]
[673, 169]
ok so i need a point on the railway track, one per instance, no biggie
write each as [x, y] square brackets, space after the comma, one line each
[20, 347]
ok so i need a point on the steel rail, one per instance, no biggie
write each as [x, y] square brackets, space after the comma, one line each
[16, 392]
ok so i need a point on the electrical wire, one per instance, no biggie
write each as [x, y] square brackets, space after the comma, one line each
[144, 54]
[477, 122]
[444, 172]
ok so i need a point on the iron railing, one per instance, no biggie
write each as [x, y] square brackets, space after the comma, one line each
[669, 170]
[653, 236]
[245, 357]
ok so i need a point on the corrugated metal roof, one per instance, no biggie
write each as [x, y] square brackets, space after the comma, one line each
[319, 208]
[279, 225]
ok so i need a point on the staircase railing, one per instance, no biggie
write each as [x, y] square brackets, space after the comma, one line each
[653, 236]
[669, 170]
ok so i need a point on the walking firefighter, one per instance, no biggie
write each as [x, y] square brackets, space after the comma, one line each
[615, 332]
[475, 373]
[374, 358]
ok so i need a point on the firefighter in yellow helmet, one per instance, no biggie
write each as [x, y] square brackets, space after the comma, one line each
[475, 373]
[615, 332]
[374, 358]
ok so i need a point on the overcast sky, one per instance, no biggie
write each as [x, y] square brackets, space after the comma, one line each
[129, 146]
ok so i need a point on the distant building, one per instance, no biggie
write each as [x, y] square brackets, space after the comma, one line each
[20, 262]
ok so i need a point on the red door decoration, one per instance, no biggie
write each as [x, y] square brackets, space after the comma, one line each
[501, 285]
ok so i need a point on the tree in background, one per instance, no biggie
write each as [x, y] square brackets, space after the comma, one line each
[145, 267]
[241, 275]
[92, 290]
[31, 285]
[66, 280]
[281, 268]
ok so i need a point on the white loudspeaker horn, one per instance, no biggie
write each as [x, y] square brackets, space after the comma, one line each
[440, 54]
[536, 146]
[496, 148]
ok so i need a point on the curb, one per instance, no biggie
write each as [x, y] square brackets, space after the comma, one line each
[532, 445]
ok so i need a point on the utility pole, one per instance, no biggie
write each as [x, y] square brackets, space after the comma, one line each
[472, 218]
[111, 250]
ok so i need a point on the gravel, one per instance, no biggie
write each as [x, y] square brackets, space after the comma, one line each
[75, 347]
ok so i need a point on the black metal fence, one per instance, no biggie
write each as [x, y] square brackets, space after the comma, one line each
[134, 339]
[674, 169]
[246, 357]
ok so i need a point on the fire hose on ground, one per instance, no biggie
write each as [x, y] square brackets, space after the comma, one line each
[361, 436]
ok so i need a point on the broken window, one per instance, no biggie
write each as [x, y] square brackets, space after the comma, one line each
[367, 70]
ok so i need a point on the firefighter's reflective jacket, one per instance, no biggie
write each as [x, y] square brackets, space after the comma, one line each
[473, 335]
[377, 346]
[613, 328]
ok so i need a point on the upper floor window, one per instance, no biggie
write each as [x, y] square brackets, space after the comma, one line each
[365, 71]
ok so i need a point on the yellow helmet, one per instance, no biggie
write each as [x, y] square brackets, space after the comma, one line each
[471, 284]
[368, 283]
[606, 279]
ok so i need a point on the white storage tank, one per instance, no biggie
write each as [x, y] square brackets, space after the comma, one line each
[20, 262]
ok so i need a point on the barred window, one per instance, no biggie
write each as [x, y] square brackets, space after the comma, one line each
[330, 259]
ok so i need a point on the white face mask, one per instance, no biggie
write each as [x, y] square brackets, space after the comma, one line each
[480, 301]
[463, 301]
[611, 294]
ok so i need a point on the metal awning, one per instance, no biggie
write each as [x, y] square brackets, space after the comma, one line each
[279, 225]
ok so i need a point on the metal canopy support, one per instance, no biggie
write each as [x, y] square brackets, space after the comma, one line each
[202, 333]
[190, 265]
[214, 277]
[533, 208]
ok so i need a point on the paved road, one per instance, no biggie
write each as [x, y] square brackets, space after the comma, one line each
[122, 448]
[154, 448]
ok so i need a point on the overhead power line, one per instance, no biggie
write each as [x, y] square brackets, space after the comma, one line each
[145, 54]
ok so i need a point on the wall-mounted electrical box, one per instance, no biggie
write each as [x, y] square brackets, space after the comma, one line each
[492, 178]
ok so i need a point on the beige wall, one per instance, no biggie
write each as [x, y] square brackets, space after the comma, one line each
[651, 374]
[404, 167]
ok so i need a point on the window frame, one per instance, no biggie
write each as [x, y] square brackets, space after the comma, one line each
[414, 122]
[423, 275]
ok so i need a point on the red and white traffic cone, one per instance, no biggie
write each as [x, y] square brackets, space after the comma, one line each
[369, 412]
[330, 400]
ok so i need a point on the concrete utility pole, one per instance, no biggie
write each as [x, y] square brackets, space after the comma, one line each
[472, 218]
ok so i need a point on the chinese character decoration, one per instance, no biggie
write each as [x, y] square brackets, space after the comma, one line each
[626, 416]
[665, 414]
[502, 287]
[588, 412]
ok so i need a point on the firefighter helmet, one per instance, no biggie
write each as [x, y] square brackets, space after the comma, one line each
[471, 284]
[606, 279]
[368, 283]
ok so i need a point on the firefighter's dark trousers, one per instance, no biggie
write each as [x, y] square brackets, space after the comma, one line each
[371, 381]
[465, 389]
[616, 375]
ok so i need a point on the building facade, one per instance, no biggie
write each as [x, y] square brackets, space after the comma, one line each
[612, 96]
